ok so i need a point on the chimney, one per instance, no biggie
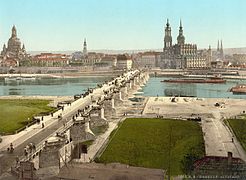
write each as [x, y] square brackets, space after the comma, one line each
[229, 156]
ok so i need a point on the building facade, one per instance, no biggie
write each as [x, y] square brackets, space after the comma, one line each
[239, 59]
[146, 59]
[13, 54]
[182, 55]
[85, 58]
[50, 60]
[124, 62]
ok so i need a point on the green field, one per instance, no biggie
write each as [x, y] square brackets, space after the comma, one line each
[239, 128]
[154, 143]
[14, 114]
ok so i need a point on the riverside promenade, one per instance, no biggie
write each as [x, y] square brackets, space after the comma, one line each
[36, 134]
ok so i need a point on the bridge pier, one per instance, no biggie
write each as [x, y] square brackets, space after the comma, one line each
[124, 93]
[109, 108]
[118, 98]
[97, 117]
[80, 132]
[50, 155]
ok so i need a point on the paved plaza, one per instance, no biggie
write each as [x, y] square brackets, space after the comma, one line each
[217, 136]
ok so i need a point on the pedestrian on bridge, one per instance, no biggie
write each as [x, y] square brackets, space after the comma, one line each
[17, 160]
[11, 147]
[25, 152]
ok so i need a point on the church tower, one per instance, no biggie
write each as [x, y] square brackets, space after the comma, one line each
[85, 48]
[221, 50]
[181, 38]
[218, 46]
[168, 37]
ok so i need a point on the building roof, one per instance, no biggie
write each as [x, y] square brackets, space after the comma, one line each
[219, 159]
[123, 57]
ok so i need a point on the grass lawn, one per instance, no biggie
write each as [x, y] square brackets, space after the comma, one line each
[14, 114]
[146, 143]
[239, 128]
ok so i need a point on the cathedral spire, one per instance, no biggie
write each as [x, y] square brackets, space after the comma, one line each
[221, 50]
[218, 46]
[180, 24]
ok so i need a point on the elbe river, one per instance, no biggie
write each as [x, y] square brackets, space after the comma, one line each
[154, 87]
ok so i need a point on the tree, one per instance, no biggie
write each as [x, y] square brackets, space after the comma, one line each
[187, 163]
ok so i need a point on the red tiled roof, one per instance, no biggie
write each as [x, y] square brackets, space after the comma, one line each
[209, 159]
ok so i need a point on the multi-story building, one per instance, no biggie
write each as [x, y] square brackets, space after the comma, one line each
[85, 58]
[109, 60]
[50, 60]
[124, 62]
[13, 54]
[146, 59]
[181, 55]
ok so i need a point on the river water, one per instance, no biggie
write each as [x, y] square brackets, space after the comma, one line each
[49, 86]
[154, 87]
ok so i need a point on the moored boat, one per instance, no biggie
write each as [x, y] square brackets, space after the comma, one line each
[216, 80]
[239, 89]
[19, 78]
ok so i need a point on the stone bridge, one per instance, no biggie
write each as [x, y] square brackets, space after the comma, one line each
[100, 104]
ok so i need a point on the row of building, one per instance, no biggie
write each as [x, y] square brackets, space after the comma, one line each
[180, 55]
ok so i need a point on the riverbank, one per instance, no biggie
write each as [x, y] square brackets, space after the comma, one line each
[64, 75]
[211, 111]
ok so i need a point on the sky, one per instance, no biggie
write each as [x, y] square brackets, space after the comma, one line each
[59, 25]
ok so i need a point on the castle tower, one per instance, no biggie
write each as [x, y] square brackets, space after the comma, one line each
[168, 37]
[180, 38]
[85, 48]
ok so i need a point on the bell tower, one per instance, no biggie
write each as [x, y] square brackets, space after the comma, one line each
[180, 38]
[168, 37]
[85, 48]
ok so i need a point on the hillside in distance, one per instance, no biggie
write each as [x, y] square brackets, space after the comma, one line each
[227, 51]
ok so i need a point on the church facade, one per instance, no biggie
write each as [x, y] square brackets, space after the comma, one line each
[13, 53]
[182, 55]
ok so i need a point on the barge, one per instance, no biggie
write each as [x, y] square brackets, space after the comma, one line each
[216, 80]
[239, 89]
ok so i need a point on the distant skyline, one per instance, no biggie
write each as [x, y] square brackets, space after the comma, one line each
[59, 25]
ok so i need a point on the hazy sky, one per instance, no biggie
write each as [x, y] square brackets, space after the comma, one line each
[121, 24]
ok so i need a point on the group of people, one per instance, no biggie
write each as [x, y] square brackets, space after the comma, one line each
[10, 148]
[29, 149]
